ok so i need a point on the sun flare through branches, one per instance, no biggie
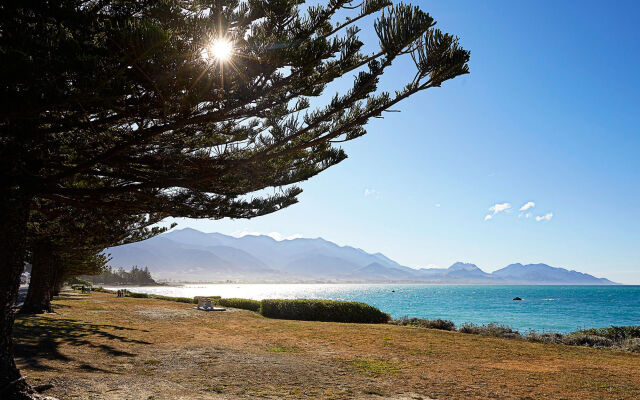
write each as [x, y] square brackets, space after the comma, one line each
[218, 49]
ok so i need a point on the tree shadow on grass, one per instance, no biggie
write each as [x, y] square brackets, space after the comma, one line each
[39, 338]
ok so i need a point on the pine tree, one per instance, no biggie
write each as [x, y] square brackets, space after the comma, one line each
[64, 241]
[125, 99]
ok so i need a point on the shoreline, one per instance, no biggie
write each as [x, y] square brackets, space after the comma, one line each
[112, 348]
[562, 309]
[605, 337]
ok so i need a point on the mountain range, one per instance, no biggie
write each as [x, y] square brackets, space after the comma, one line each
[194, 256]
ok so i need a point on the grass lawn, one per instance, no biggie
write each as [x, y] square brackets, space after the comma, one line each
[103, 347]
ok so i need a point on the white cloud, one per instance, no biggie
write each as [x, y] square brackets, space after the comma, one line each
[499, 207]
[545, 217]
[527, 215]
[527, 206]
[370, 192]
[437, 204]
[488, 217]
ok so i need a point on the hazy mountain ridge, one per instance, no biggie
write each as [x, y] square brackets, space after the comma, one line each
[191, 255]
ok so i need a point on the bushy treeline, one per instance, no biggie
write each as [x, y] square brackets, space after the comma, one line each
[136, 276]
[626, 338]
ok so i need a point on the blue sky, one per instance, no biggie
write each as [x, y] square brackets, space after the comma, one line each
[549, 115]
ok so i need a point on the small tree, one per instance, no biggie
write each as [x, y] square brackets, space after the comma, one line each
[125, 98]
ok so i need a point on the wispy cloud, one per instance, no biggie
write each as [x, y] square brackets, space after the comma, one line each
[546, 217]
[526, 215]
[437, 205]
[499, 207]
[527, 206]
[488, 217]
[370, 192]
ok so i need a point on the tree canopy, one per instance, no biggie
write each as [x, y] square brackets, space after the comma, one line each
[116, 98]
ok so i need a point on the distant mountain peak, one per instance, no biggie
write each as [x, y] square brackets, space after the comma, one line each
[463, 266]
[188, 254]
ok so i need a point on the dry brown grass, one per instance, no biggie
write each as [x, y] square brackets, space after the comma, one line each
[104, 347]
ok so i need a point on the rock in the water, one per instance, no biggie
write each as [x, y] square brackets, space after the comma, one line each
[517, 298]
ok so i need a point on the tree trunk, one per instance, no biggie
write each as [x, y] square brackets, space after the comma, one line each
[44, 269]
[14, 213]
[59, 281]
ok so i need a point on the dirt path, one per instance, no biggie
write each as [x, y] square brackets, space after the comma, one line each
[104, 347]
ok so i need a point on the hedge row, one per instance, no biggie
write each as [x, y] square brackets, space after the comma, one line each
[306, 310]
[245, 304]
[323, 310]
[189, 300]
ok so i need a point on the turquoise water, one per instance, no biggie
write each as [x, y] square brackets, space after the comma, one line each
[544, 308]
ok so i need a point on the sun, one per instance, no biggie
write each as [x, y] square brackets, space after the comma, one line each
[218, 49]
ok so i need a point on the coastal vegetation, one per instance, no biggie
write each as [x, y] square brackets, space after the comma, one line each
[442, 324]
[111, 276]
[245, 304]
[625, 338]
[322, 310]
[144, 347]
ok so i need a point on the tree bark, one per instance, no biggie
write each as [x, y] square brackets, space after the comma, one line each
[14, 213]
[58, 282]
[44, 270]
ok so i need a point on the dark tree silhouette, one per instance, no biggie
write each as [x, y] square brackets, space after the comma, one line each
[105, 99]
[64, 241]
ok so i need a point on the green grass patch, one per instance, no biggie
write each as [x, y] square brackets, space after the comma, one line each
[367, 366]
[373, 391]
[282, 350]
[214, 389]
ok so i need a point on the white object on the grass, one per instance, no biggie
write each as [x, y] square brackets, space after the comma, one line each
[205, 304]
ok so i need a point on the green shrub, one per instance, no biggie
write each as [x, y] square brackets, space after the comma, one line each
[136, 295]
[77, 281]
[583, 339]
[631, 345]
[323, 310]
[615, 332]
[546, 337]
[245, 304]
[442, 324]
[492, 329]
[189, 300]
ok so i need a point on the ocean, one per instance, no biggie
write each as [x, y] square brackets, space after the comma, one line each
[543, 308]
